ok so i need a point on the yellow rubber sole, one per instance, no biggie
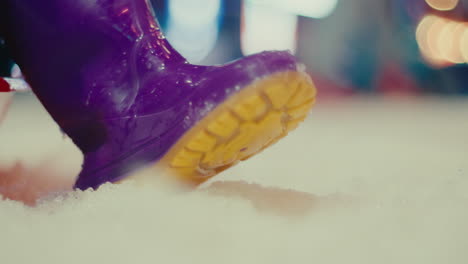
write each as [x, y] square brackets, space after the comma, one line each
[248, 122]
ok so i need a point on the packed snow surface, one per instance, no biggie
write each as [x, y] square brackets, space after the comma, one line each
[363, 180]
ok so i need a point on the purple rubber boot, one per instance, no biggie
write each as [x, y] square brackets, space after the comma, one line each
[110, 79]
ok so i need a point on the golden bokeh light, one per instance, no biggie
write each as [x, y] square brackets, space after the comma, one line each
[442, 41]
[442, 5]
[464, 44]
[421, 33]
[450, 41]
[433, 36]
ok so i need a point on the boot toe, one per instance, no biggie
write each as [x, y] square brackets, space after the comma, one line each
[272, 96]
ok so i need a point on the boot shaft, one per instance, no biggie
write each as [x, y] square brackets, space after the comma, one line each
[86, 60]
[84, 24]
[60, 44]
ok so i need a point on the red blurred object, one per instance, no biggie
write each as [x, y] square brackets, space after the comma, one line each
[28, 184]
[4, 86]
[394, 81]
[330, 89]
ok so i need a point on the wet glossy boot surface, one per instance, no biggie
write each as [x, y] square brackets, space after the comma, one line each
[113, 83]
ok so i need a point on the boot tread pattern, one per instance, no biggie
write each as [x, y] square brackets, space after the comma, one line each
[255, 118]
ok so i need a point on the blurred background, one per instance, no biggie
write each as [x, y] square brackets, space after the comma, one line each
[353, 46]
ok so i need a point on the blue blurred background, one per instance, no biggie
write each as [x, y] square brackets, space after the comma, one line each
[392, 47]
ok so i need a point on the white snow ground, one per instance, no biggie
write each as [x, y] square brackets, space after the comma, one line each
[388, 183]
